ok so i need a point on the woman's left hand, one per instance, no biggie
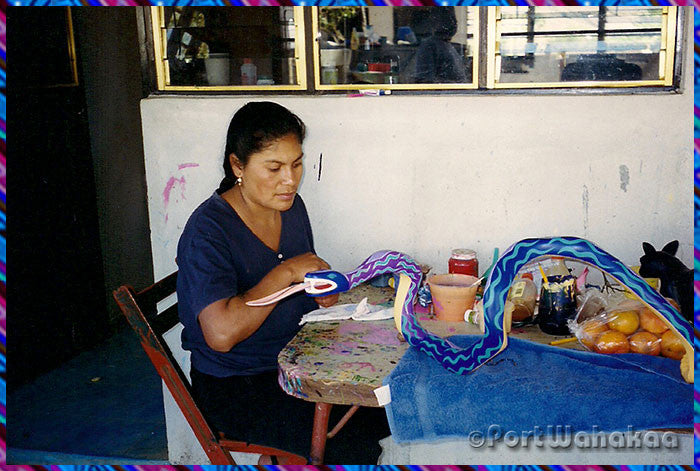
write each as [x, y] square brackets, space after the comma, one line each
[327, 301]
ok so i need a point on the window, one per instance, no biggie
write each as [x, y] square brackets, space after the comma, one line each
[335, 49]
[218, 48]
[54, 56]
[581, 46]
[396, 48]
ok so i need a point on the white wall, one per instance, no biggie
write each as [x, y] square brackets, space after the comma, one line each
[425, 174]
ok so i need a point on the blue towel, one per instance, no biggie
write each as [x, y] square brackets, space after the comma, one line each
[530, 386]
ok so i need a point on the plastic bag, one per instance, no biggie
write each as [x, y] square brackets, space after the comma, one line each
[616, 324]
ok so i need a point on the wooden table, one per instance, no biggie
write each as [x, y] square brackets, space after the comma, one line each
[343, 362]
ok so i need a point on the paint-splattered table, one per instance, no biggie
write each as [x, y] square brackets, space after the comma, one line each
[343, 362]
[340, 362]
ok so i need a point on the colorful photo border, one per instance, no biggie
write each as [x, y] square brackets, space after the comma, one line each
[3, 224]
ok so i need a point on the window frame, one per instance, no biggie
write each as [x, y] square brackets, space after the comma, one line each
[309, 73]
[159, 30]
[668, 41]
[473, 85]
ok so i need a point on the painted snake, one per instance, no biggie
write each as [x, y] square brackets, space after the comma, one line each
[465, 360]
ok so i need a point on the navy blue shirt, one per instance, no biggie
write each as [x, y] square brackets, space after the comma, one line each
[218, 257]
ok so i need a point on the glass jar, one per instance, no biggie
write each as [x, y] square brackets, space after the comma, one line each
[463, 261]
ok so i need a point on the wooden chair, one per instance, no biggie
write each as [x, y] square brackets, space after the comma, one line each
[141, 312]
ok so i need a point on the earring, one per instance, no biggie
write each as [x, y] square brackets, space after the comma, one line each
[239, 180]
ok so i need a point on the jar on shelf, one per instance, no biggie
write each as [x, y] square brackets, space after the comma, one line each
[463, 261]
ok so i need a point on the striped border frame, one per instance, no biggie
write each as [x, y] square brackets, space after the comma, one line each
[3, 225]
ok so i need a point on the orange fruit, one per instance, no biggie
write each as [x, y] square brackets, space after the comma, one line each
[612, 341]
[645, 342]
[672, 345]
[590, 330]
[624, 321]
[651, 322]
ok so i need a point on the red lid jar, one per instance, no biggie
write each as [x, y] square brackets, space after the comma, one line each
[463, 261]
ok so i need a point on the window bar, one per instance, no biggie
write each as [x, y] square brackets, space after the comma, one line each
[71, 46]
[668, 39]
[299, 49]
[158, 25]
[493, 66]
[601, 25]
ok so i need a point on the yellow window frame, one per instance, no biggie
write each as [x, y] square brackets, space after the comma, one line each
[666, 57]
[163, 78]
[474, 84]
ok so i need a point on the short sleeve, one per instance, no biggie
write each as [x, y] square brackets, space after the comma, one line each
[207, 272]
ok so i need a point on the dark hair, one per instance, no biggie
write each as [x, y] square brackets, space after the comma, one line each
[255, 126]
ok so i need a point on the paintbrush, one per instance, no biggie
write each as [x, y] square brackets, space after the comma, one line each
[544, 277]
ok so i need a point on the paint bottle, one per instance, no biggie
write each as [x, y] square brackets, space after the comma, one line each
[523, 297]
[557, 304]
[463, 261]
[558, 268]
[354, 40]
[248, 73]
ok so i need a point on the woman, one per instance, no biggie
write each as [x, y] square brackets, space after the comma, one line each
[251, 238]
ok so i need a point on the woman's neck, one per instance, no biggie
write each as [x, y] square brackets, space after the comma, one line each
[249, 210]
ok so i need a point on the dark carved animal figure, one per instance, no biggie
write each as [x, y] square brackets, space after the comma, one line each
[676, 278]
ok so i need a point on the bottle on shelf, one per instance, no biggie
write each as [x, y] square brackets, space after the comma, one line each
[248, 73]
[354, 40]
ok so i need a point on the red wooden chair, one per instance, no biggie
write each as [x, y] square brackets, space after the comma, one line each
[141, 312]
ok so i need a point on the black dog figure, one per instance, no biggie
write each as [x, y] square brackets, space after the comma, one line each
[676, 278]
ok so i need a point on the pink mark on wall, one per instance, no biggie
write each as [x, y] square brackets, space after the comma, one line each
[169, 188]
[187, 165]
[172, 181]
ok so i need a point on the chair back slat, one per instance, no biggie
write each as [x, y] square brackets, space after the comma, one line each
[160, 355]
[149, 298]
[165, 321]
[141, 311]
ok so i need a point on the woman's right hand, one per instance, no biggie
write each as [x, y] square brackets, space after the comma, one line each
[300, 265]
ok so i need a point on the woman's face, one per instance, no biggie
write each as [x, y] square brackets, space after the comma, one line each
[271, 177]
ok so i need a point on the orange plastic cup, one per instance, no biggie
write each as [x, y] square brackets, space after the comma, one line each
[452, 295]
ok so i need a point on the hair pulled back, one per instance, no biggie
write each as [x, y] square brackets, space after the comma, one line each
[254, 127]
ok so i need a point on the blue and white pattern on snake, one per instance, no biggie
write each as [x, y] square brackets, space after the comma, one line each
[494, 340]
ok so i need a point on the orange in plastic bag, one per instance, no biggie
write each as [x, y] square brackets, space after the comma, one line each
[626, 322]
[672, 346]
[645, 342]
[590, 330]
[612, 341]
[649, 321]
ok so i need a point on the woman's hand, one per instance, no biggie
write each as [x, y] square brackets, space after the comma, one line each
[305, 263]
[327, 301]
[300, 265]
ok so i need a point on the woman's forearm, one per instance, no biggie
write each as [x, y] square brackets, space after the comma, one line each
[228, 322]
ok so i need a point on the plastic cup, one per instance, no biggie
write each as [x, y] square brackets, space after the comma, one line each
[452, 295]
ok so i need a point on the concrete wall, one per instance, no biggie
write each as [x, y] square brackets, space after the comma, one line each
[425, 174]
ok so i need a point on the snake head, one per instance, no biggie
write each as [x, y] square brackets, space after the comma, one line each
[325, 282]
